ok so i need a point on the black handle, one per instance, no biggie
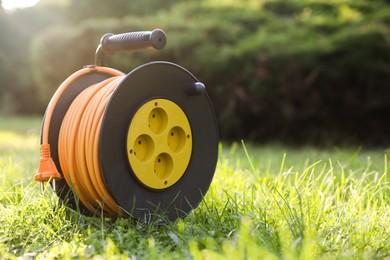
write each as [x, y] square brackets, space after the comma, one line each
[133, 41]
[113, 43]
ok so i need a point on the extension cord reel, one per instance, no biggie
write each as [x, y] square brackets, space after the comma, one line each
[134, 145]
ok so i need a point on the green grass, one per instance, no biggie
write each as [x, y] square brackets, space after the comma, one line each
[265, 202]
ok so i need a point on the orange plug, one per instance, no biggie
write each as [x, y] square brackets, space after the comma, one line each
[47, 170]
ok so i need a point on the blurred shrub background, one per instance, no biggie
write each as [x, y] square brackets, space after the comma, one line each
[297, 71]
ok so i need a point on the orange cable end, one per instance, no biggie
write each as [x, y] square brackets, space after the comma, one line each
[47, 169]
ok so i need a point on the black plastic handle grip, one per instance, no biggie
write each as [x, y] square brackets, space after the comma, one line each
[111, 43]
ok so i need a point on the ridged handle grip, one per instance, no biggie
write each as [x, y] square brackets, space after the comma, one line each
[111, 43]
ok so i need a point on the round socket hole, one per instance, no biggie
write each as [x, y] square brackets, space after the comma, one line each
[177, 139]
[158, 120]
[143, 148]
[163, 166]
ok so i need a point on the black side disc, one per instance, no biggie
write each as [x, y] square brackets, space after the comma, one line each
[172, 82]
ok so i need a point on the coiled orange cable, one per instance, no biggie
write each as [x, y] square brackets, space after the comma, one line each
[79, 140]
[78, 146]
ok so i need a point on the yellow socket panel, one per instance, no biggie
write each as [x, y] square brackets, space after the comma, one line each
[159, 143]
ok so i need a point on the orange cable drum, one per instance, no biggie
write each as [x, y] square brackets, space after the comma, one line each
[91, 156]
[78, 146]
[85, 148]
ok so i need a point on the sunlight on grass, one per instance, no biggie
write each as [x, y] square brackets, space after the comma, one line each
[265, 202]
[13, 141]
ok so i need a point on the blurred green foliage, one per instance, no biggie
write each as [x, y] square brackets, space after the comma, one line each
[293, 70]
